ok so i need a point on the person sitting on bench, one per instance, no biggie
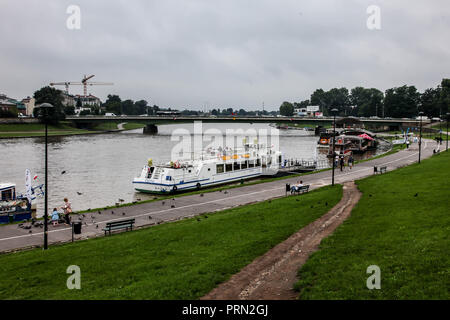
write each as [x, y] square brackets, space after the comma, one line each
[296, 187]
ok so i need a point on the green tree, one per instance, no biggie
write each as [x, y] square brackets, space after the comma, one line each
[128, 107]
[366, 102]
[338, 98]
[445, 96]
[10, 113]
[54, 97]
[301, 104]
[140, 107]
[287, 109]
[430, 102]
[69, 110]
[113, 104]
[319, 98]
[402, 102]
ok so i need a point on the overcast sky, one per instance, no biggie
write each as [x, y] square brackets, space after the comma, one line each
[222, 53]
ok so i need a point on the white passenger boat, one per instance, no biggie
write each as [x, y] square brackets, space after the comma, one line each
[211, 167]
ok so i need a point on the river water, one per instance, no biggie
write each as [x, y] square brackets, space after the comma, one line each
[99, 168]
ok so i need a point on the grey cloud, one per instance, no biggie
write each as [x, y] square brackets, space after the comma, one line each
[228, 52]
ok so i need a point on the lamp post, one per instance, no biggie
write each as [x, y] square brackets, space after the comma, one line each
[447, 118]
[44, 113]
[420, 134]
[334, 111]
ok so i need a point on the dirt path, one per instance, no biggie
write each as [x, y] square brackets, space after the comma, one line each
[273, 275]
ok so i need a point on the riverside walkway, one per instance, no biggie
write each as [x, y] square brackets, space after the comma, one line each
[12, 237]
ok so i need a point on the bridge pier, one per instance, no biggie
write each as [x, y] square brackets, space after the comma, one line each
[150, 129]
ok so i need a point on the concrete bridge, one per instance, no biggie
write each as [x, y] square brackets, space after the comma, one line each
[153, 121]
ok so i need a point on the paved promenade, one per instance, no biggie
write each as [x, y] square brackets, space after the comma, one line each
[12, 237]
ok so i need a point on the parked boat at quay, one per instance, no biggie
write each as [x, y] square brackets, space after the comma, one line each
[352, 141]
[211, 167]
[13, 207]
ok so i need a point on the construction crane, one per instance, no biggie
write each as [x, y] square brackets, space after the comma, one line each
[84, 82]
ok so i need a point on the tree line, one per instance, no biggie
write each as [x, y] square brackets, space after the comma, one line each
[399, 102]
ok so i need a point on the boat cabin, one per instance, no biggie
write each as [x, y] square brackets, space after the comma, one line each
[7, 191]
[13, 207]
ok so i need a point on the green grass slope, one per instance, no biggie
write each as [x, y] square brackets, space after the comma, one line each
[406, 235]
[180, 260]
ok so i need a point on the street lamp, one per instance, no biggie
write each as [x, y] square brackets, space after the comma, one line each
[420, 134]
[334, 112]
[44, 113]
[447, 118]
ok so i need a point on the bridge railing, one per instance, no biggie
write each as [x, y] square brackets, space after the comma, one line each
[295, 163]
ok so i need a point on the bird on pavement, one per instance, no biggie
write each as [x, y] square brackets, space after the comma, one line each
[63, 172]
[79, 193]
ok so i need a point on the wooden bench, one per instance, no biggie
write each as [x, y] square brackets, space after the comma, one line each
[380, 170]
[117, 225]
[302, 189]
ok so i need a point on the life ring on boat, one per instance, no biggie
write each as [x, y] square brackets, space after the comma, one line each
[198, 185]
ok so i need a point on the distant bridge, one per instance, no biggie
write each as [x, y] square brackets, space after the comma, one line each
[152, 121]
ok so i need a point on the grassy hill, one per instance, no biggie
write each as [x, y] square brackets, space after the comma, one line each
[402, 225]
[180, 260]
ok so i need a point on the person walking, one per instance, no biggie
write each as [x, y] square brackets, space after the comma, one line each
[350, 162]
[342, 163]
[67, 207]
[407, 144]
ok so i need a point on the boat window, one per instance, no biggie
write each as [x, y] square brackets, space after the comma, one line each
[150, 172]
[236, 166]
[209, 169]
[251, 163]
[229, 167]
[219, 168]
[168, 178]
[7, 195]
[244, 164]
